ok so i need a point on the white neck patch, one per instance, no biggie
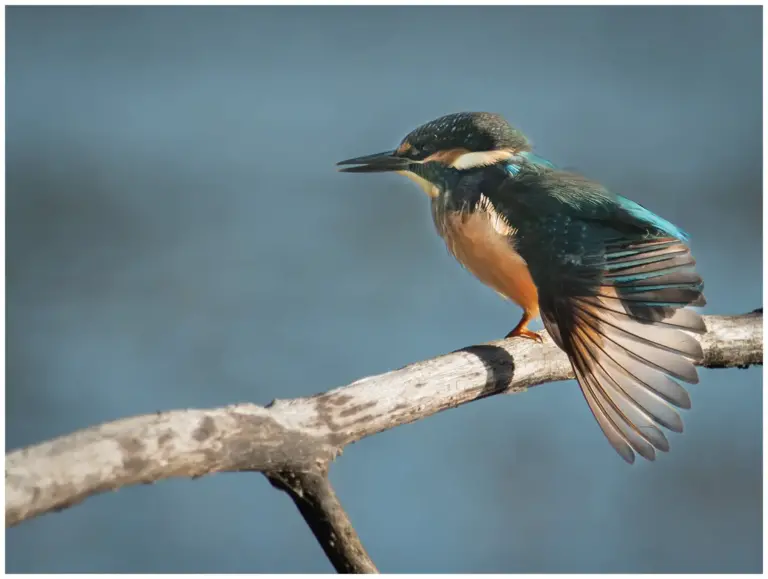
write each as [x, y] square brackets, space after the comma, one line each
[480, 159]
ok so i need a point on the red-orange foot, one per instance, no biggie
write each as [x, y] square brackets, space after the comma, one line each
[525, 333]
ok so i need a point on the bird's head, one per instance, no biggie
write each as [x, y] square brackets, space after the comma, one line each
[446, 146]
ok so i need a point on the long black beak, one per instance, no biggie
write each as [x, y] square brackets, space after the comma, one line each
[377, 163]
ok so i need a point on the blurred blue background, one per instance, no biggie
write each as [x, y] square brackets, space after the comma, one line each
[177, 236]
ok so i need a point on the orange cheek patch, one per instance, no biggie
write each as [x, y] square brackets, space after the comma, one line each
[446, 157]
[404, 148]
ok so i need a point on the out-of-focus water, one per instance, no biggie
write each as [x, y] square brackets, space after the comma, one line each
[177, 236]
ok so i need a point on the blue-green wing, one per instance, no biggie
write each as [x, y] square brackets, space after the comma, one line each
[613, 279]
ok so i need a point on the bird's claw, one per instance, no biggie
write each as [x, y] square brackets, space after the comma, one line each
[524, 333]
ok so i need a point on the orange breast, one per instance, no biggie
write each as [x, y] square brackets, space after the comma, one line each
[484, 245]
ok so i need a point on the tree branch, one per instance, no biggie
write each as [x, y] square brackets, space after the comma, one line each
[321, 509]
[293, 441]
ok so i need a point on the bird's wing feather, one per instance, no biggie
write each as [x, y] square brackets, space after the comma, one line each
[612, 280]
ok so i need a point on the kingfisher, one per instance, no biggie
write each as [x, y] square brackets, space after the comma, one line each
[611, 281]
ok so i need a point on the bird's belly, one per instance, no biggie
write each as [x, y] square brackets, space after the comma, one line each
[490, 256]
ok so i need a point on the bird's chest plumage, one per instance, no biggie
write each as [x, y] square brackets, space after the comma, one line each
[483, 242]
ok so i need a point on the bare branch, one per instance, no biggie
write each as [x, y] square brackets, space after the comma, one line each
[293, 441]
[321, 509]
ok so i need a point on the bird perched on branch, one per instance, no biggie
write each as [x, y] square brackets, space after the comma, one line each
[609, 278]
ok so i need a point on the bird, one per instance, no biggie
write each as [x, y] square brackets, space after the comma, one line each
[612, 281]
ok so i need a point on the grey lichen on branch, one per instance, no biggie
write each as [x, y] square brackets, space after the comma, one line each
[736, 343]
[303, 435]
